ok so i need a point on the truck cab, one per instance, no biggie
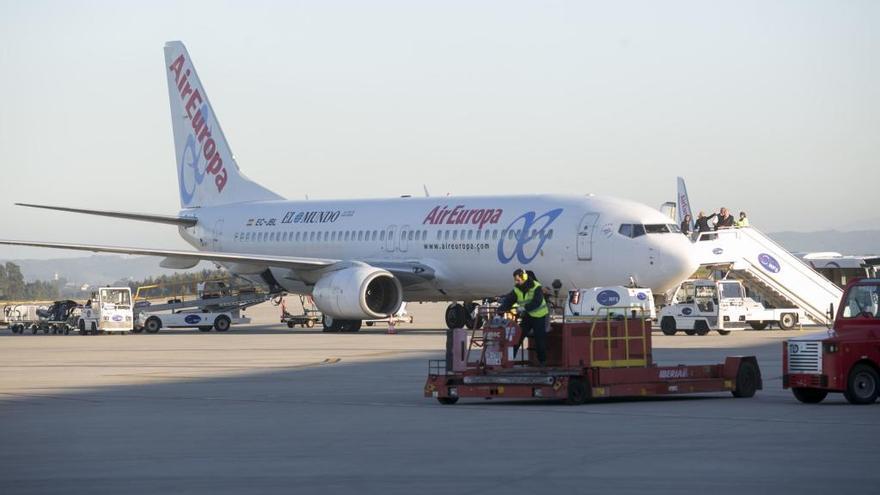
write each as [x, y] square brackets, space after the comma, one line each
[846, 358]
[701, 305]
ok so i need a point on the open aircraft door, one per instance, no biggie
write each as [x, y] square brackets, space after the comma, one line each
[389, 237]
[585, 236]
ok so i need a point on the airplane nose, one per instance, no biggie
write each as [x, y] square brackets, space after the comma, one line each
[678, 262]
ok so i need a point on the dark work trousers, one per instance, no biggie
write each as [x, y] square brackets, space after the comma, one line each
[536, 328]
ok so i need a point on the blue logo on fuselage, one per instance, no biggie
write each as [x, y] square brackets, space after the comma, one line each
[608, 298]
[533, 232]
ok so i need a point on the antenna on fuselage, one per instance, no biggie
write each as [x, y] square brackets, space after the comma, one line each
[427, 194]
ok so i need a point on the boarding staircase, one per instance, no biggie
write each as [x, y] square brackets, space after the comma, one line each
[766, 268]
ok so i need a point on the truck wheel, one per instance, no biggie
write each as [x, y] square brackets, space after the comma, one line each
[809, 395]
[861, 387]
[786, 321]
[447, 401]
[204, 328]
[577, 392]
[82, 327]
[94, 328]
[758, 325]
[723, 332]
[690, 332]
[667, 325]
[222, 323]
[701, 328]
[747, 378]
[153, 324]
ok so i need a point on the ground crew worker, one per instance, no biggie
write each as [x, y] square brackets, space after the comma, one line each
[529, 298]
[743, 220]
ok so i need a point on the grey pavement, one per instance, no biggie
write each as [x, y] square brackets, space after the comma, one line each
[267, 410]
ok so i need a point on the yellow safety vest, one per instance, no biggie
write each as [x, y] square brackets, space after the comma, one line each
[523, 299]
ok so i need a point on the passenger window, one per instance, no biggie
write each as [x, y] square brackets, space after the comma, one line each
[382, 236]
[454, 235]
[410, 235]
[495, 234]
[446, 235]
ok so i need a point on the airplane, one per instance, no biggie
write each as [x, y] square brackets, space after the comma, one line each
[361, 258]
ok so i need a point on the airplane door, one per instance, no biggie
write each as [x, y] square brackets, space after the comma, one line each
[217, 235]
[405, 232]
[389, 238]
[585, 236]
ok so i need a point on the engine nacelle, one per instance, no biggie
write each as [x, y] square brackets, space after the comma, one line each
[358, 292]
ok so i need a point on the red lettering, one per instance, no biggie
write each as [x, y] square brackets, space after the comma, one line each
[194, 99]
[432, 216]
[176, 67]
[220, 180]
[209, 149]
[215, 164]
[453, 217]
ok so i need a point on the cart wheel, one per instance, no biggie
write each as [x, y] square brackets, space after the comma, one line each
[747, 378]
[34, 328]
[369, 323]
[447, 401]
[723, 332]
[310, 323]
[862, 385]
[786, 321]
[809, 395]
[667, 325]
[758, 325]
[701, 328]
[221, 324]
[577, 392]
[289, 324]
[152, 325]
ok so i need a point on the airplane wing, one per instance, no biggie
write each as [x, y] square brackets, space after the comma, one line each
[169, 219]
[408, 273]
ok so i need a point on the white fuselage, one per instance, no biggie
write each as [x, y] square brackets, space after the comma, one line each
[473, 244]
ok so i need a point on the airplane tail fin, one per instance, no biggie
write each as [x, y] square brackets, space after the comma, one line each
[206, 169]
[684, 204]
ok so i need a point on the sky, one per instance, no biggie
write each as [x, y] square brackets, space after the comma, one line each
[768, 107]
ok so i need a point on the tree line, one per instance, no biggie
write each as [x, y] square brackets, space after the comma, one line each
[14, 288]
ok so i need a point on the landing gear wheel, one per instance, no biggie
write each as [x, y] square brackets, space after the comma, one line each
[723, 332]
[701, 328]
[456, 316]
[472, 317]
[667, 325]
[447, 401]
[577, 392]
[758, 325]
[786, 321]
[330, 324]
[862, 385]
[222, 323]
[809, 395]
[747, 379]
[152, 325]
[350, 325]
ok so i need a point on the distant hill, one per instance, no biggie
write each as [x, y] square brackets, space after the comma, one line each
[99, 269]
[102, 269]
[859, 242]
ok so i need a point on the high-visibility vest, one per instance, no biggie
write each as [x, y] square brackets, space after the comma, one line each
[523, 299]
[742, 223]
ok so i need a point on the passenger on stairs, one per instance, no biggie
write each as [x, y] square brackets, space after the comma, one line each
[743, 220]
[725, 220]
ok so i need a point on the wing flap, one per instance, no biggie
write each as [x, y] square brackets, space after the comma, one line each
[290, 262]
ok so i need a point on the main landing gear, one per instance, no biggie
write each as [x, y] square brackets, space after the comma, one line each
[460, 315]
[335, 325]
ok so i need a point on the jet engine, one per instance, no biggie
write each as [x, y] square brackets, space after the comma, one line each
[358, 292]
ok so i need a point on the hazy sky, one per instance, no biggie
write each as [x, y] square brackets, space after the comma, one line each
[770, 107]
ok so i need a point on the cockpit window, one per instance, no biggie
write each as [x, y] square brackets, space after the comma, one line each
[634, 230]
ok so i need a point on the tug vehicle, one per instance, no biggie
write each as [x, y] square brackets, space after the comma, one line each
[108, 310]
[610, 356]
[846, 358]
[699, 306]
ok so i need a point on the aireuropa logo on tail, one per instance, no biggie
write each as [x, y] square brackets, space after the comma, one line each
[200, 144]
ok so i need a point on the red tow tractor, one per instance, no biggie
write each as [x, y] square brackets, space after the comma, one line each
[609, 356]
[846, 358]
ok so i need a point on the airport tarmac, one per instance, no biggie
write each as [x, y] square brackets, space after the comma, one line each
[265, 409]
